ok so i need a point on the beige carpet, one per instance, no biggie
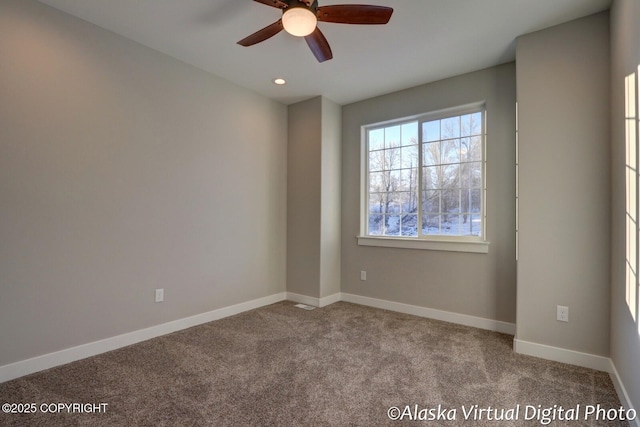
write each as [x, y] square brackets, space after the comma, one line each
[340, 365]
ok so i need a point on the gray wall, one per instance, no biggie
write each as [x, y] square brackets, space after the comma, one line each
[564, 184]
[313, 198]
[330, 205]
[304, 182]
[482, 285]
[121, 171]
[625, 331]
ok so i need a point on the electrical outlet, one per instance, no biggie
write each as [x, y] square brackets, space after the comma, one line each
[159, 295]
[562, 313]
[363, 275]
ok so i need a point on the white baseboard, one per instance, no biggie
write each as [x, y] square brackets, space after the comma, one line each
[330, 299]
[316, 302]
[446, 316]
[622, 393]
[40, 363]
[303, 299]
[557, 354]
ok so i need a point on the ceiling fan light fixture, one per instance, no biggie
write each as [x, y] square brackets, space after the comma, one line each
[299, 21]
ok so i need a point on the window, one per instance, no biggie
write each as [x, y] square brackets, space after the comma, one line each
[424, 179]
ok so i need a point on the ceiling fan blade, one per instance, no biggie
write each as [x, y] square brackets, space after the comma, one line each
[319, 45]
[274, 3]
[262, 35]
[354, 14]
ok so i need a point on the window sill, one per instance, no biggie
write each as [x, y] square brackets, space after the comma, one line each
[478, 247]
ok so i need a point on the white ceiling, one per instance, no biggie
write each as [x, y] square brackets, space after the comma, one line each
[425, 40]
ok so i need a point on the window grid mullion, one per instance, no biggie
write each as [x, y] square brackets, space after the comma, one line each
[483, 211]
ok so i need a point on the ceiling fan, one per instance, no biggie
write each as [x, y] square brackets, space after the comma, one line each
[300, 18]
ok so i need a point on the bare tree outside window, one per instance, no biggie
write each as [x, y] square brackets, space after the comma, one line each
[393, 180]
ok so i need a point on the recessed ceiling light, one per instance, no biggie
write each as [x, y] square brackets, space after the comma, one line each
[279, 81]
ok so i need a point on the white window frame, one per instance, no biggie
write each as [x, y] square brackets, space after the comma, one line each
[474, 244]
